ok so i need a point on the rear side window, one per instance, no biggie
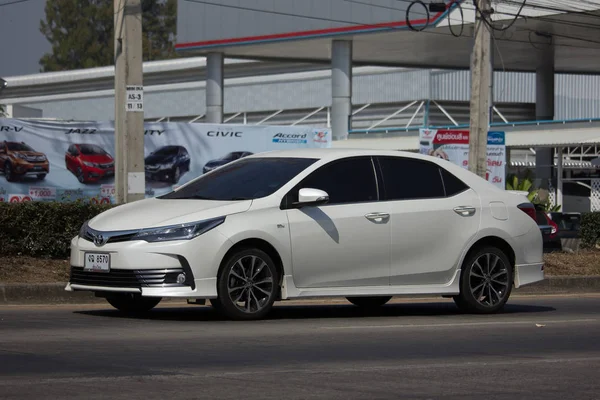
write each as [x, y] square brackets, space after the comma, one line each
[407, 178]
[452, 184]
[347, 181]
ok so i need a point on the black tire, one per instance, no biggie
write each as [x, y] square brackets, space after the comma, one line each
[176, 175]
[132, 303]
[41, 177]
[369, 302]
[8, 172]
[80, 175]
[485, 289]
[260, 303]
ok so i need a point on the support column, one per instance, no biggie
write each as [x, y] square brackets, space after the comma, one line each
[341, 88]
[559, 179]
[214, 88]
[544, 110]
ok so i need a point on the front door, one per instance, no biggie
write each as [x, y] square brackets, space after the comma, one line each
[345, 243]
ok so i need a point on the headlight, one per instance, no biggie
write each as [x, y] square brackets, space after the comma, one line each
[21, 156]
[178, 232]
[89, 164]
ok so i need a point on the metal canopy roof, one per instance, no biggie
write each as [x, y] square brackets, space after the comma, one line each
[575, 37]
[522, 136]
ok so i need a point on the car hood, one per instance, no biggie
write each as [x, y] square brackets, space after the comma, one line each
[29, 153]
[156, 159]
[98, 159]
[150, 213]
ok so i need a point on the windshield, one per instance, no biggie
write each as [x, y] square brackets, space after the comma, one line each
[250, 178]
[167, 151]
[18, 147]
[91, 150]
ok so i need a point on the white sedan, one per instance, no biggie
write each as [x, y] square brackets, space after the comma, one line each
[365, 225]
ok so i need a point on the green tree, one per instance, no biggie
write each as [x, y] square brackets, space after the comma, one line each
[81, 32]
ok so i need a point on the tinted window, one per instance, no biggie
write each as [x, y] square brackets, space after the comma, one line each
[250, 178]
[452, 184]
[90, 149]
[167, 151]
[346, 181]
[18, 147]
[407, 178]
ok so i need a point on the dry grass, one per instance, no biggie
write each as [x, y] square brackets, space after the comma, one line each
[39, 270]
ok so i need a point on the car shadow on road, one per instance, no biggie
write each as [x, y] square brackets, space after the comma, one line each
[307, 312]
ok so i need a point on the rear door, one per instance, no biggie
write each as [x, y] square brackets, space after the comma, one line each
[433, 216]
[345, 243]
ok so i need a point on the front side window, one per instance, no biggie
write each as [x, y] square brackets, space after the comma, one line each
[346, 181]
[250, 178]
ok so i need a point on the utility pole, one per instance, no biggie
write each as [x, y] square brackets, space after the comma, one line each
[129, 102]
[480, 91]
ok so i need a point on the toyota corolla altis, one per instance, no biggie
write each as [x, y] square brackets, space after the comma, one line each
[365, 225]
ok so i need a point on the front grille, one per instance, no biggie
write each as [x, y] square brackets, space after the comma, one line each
[125, 278]
[88, 235]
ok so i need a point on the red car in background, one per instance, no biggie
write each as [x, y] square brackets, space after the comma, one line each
[89, 162]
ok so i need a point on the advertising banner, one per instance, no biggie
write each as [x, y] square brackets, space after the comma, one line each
[66, 161]
[453, 145]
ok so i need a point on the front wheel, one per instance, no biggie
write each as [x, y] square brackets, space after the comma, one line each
[486, 281]
[247, 285]
[132, 303]
[369, 302]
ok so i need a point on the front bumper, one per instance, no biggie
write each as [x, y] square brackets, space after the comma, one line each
[26, 168]
[151, 269]
[98, 173]
[160, 174]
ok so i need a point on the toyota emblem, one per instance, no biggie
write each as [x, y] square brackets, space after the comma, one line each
[99, 240]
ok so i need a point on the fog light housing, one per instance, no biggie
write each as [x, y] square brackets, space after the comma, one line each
[181, 278]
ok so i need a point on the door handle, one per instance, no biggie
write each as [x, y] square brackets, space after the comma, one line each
[377, 216]
[465, 211]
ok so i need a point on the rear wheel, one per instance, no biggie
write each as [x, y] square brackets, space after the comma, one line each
[369, 302]
[247, 285]
[132, 303]
[486, 281]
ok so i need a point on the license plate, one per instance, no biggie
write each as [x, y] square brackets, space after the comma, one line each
[97, 262]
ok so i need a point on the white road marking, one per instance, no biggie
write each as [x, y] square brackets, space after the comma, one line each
[461, 324]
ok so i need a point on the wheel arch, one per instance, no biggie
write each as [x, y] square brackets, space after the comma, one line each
[497, 242]
[260, 244]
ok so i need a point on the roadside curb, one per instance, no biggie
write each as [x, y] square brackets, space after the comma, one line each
[54, 293]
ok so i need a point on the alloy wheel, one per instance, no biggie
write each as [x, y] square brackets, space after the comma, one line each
[488, 280]
[250, 284]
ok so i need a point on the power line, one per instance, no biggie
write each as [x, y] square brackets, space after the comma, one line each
[10, 3]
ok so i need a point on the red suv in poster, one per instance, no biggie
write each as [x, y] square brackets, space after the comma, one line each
[89, 162]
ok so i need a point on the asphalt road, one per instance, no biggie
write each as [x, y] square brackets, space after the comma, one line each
[538, 348]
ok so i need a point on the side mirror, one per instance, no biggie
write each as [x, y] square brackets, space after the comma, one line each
[311, 197]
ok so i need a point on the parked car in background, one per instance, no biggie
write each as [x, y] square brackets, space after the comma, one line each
[569, 224]
[89, 162]
[314, 223]
[551, 237]
[168, 163]
[226, 159]
[19, 159]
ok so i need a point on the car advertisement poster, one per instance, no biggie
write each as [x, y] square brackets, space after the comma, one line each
[44, 160]
[453, 145]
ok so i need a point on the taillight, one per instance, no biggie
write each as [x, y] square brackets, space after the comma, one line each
[554, 227]
[528, 209]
